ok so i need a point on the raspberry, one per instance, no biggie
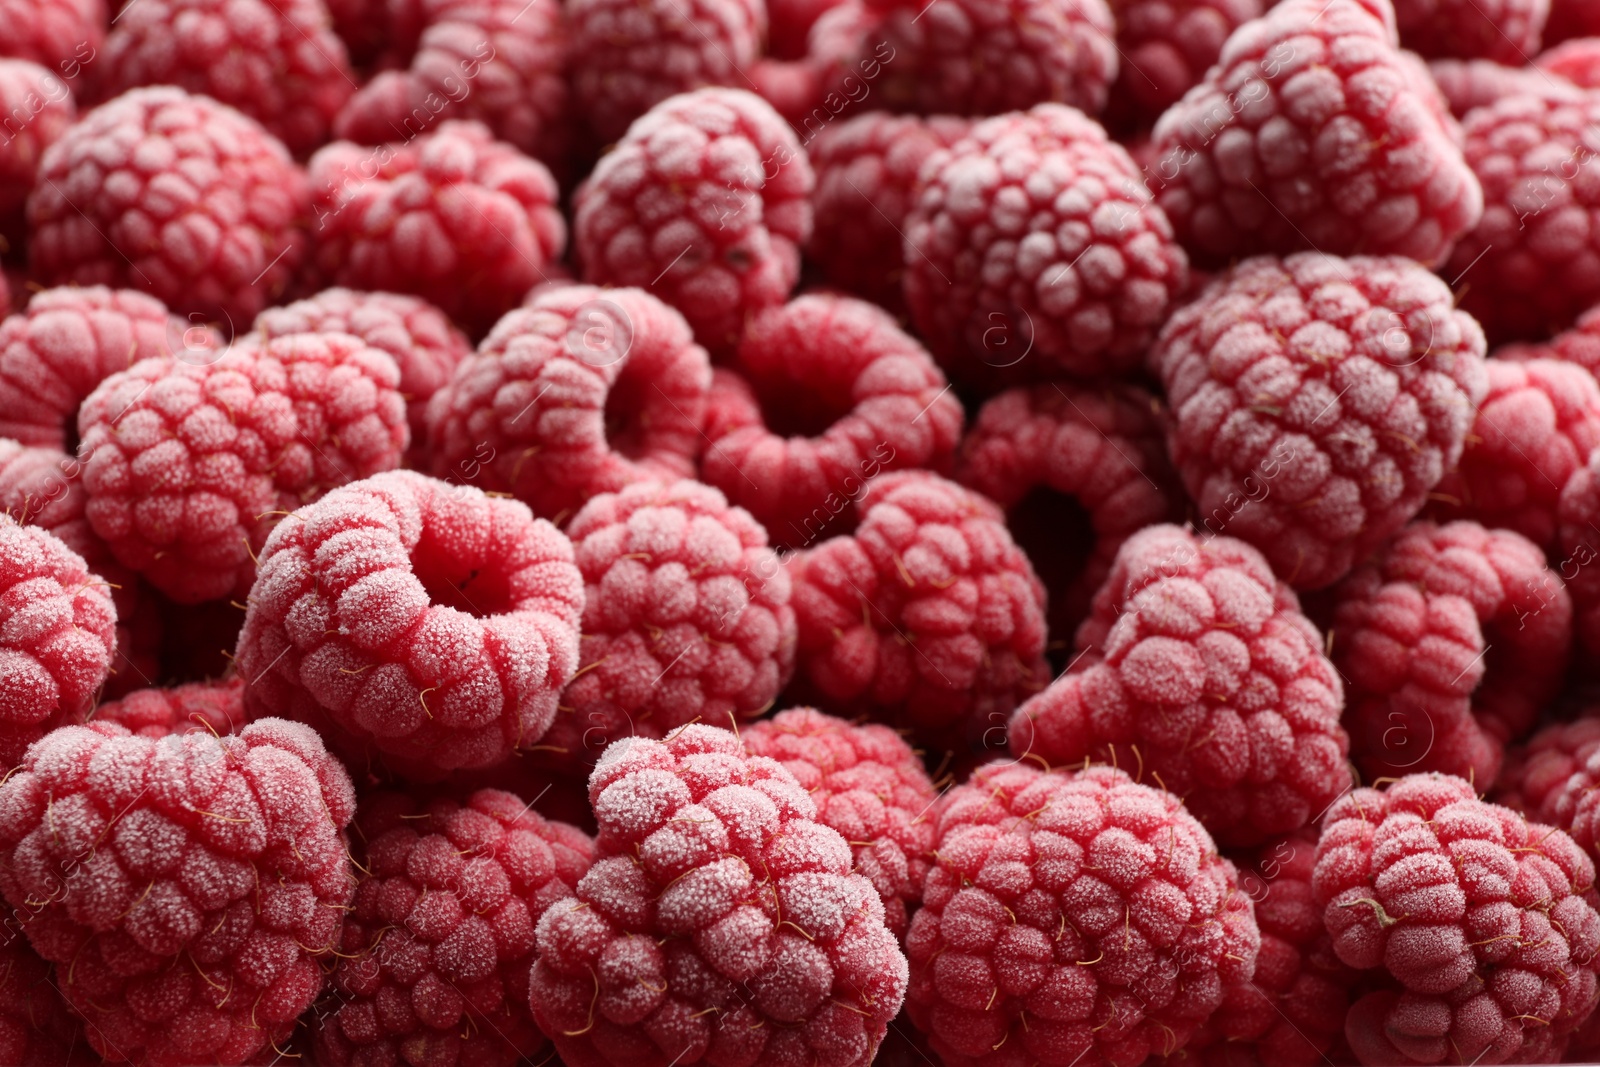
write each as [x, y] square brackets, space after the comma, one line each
[1485, 923]
[277, 61]
[1571, 18]
[707, 197]
[789, 24]
[1472, 83]
[583, 391]
[1314, 131]
[455, 216]
[1035, 237]
[686, 616]
[437, 949]
[1451, 642]
[176, 195]
[430, 622]
[866, 175]
[54, 33]
[36, 1027]
[849, 395]
[1506, 31]
[37, 107]
[1316, 401]
[1575, 61]
[1578, 536]
[1167, 46]
[214, 707]
[187, 889]
[928, 616]
[189, 466]
[1546, 778]
[721, 922]
[1018, 954]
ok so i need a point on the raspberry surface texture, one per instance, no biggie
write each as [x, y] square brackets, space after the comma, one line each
[213, 707]
[1506, 31]
[1549, 777]
[1168, 45]
[37, 1029]
[39, 107]
[789, 24]
[1577, 61]
[63, 34]
[1578, 531]
[1473, 83]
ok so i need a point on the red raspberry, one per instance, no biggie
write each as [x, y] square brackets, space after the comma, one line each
[1167, 46]
[583, 391]
[1451, 641]
[54, 33]
[438, 946]
[173, 194]
[189, 466]
[870, 786]
[213, 707]
[36, 107]
[187, 889]
[1506, 31]
[430, 622]
[1316, 401]
[1314, 131]
[789, 24]
[37, 1029]
[721, 922]
[1575, 61]
[1548, 777]
[1034, 236]
[1485, 923]
[928, 616]
[1571, 18]
[277, 61]
[707, 197]
[849, 395]
[455, 216]
[1472, 83]
[1578, 533]
[1020, 954]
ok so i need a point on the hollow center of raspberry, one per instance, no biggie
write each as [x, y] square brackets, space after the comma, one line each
[475, 587]
[69, 432]
[803, 409]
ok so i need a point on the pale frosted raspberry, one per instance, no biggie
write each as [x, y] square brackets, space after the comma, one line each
[54, 33]
[37, 1029]
[1167, 46]
[36, 107]
[1472, 83]
[1575, 61]
[1546, 777]
[210, 707]
[1506, 31]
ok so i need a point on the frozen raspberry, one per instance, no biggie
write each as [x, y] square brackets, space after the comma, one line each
[706, 201]
[1571, 18]
[277, 61]
[213, 707]
[435, 953]
[866, 175]
[1314, 131]
[498, 62]
[1068, 914]
[1472, 83]
[1578, 534]
[175, 195]
[36, 1027]
[789, 24]
[1451, 642]
[1032, 248]
[1547, 778]
[927, 617]
[188, 890]
[583, 391]
[36, 107]
[1167, 46]
[836, 393]
[1575, 61]
[1506, 31]
[190, 465]
[1316, 401]
[720, 924]
[870, 786]
[431, 622]
[63, 34]
[455, 216]
[1485, 924]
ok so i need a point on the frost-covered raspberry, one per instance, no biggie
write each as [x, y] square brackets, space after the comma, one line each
[1548, 776]
[430, 622]
[37, 107]
[189, 465]
[1167, 46]
[928, 616]
[1072, 916]
[277, 61]
[706, 201]
[1484, 922]
[1506, 31]
[1472, 83]
[1314, 131]
[213, 707]
[64, 34]
[583, 391]
[1451, 640]
[1033, 249]
[37, 1029]
[1315, 401]
[175, 195]
[721, 922]
[436, 949]
[829, 392]
[455, 216]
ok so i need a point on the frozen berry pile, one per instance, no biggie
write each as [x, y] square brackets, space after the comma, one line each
[799, 533]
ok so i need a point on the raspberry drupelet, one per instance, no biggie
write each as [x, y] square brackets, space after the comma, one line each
[1167, 47]
[1473, 83]
[1315, 402]
[1505, 31]
[213, 707]
[720, 924]
[1484, 922]
[430, 622]
[38, 107]
[63, 34]
[1577, 61]
[1550, 777]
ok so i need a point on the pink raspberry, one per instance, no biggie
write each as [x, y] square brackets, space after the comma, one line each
[1167, 46]
[36, 107]
[187, 889]
[173, 194]
[720, 924]
[1485, 924]
[212, 707]
[190, 465]
[927, 617]
[65, 34]
[789, 24]
[1506, 31]
[1069, 914]
[1578, 541]
[1473, 83]
[1033, 248]
[705, 200]
[37, 1029]
[277, 61]
[436, 952]
[1451, 641]
[455, 216]
[583, 391]
[1316, 401]
[430, 622]
[1314, 131]
[1575, 61]
[848, 393]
